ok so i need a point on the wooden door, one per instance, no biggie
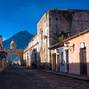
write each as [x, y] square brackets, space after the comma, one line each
[54, 61]
[83, 63]
[67, 60]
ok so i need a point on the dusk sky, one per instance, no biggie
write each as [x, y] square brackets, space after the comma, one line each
[17, 15]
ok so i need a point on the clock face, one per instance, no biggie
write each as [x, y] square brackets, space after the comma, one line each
[82, 45]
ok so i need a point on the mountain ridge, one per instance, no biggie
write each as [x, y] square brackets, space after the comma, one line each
[21, 40]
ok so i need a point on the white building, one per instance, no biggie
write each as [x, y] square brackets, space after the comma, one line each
[31, 53]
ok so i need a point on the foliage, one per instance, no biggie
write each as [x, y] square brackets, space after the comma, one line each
[59, 36]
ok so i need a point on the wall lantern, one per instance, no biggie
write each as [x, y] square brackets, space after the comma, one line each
[67, 45]
[82, 45]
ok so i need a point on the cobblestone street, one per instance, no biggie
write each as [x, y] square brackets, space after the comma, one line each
[21, 78]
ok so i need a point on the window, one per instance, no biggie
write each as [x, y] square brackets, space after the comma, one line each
[56, 19]
[41, 34]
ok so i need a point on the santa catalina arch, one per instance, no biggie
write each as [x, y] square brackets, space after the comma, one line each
[14, 51]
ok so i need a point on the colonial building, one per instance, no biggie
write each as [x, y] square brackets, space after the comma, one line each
[71, 22]
[57, 57]
[76, 53]
[3, 55]
[50, 28]
[31, 53]
[80, 21]
[71, 56]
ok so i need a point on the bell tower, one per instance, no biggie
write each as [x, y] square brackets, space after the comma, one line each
[12, 45]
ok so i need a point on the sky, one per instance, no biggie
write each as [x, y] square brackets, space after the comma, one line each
[18, 15]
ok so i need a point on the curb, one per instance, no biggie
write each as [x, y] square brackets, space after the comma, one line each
[68, 75]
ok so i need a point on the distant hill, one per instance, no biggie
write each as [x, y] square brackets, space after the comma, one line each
[21, 40]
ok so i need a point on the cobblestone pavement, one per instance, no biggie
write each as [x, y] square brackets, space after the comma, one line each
[21, 78]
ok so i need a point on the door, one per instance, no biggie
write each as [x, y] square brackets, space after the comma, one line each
[58, 63]
[54, 61]
[67, 61]
[62, 63]
[35, 54]
[83, 63]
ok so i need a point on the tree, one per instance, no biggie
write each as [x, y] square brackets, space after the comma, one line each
[58, 36]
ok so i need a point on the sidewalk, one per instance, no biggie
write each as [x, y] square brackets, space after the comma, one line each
[85, 78]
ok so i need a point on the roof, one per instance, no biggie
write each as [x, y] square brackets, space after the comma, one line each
[77, 35]
[67, 10]
[59, 44]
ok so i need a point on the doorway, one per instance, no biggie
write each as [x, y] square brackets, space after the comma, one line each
[54, 61]
[62, 62]
[83, 63]
[67, 60]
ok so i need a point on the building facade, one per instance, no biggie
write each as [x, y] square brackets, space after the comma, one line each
[57, 57]
[72, 56]
[49, 29]
[71, 22]
[80, 21]
[31, 53]
[76, 54]
[3, 55]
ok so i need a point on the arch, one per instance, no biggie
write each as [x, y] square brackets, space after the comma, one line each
[18, 53]
[15, 59]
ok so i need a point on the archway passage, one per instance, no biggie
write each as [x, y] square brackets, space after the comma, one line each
[14, 59]
[15, 56]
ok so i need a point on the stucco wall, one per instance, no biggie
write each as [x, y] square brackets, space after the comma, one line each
[74, 58]
[80, 22]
